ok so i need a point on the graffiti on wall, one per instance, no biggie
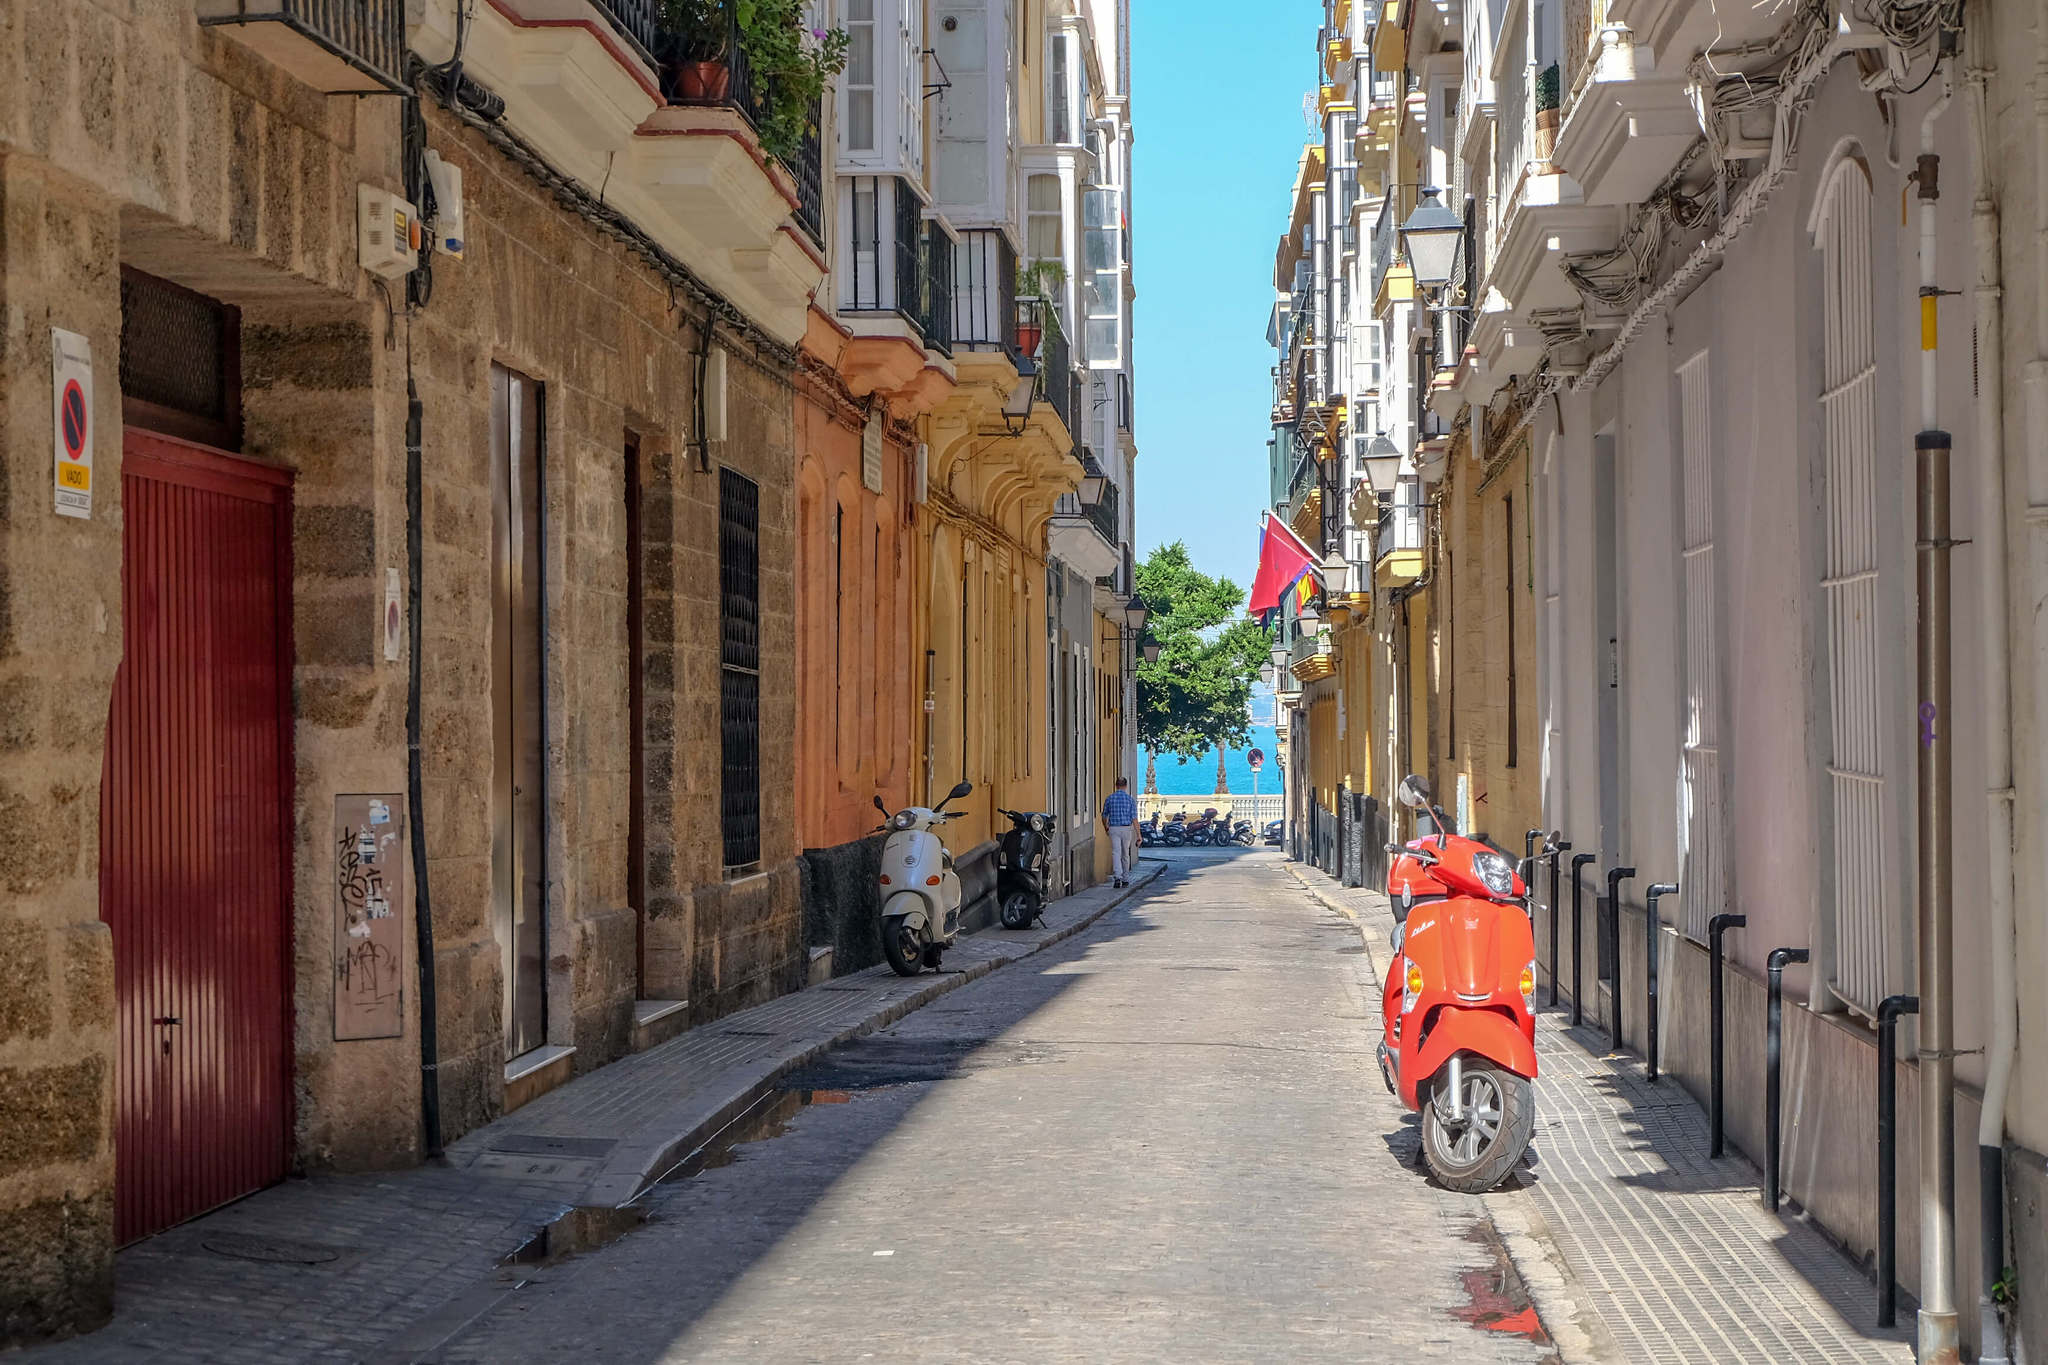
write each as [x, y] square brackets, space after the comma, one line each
[369, 894]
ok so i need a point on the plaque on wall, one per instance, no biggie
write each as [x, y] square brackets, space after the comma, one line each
[871, 453]
[369, 937]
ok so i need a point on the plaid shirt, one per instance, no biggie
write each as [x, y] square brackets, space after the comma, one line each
[1120, 809]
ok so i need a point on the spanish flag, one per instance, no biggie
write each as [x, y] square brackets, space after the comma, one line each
[1284, 563]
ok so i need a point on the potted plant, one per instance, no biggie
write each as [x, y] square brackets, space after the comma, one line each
[792, 65]
[1041, 280]
[700, 38]
[1549, 110]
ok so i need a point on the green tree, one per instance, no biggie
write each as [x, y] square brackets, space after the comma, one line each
[1198, 696]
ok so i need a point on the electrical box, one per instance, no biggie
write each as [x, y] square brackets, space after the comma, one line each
[714, 395]
[448, 215]
[387, 232]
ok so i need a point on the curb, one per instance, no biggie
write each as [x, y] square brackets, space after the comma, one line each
[619, 1187]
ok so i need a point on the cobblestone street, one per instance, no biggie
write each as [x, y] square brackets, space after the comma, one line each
[1163, 1140]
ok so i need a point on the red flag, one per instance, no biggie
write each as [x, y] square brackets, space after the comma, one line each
[1283, 559]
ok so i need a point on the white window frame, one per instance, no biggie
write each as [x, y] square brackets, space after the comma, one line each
[894, 30]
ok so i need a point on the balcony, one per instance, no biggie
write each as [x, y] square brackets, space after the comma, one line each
[1058, 383]
[334, 46]
[1312, 657]
[583, 88]
[1624, 128]
[1402, 533]
[1088, 538]
[985, 314]
[895, 289]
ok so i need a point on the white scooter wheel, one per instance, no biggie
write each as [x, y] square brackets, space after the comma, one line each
[903, 945]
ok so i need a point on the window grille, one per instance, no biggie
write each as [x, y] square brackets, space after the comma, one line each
[1701, 878]
[181, 370]
[1850, 588]
[739, 621]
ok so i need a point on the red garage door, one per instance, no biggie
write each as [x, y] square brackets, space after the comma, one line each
[195, 822]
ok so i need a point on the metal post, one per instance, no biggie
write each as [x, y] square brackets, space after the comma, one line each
[1579, 860]
[1650, 970]
[1774, 1023]
[1717, 926]
[1888, 1013]
[1557, 846]
[1938, 1330]
[1615, 877]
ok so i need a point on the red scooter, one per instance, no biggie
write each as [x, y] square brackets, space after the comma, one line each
[1460, 1001]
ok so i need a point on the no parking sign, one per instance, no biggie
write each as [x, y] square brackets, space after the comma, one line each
[71, 410]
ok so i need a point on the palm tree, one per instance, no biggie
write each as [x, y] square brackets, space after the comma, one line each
[1151, 773]
[1222, 782]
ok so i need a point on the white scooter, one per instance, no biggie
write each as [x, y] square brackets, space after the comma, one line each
[920, 889]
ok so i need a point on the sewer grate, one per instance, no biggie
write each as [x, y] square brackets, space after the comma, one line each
[272, 1250]
[749, 1033]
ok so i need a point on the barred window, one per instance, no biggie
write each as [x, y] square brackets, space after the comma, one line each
[739, 628]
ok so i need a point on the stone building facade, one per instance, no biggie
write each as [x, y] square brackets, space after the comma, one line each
[190, 209]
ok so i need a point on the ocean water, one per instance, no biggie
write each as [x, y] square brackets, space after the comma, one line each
[1177, 778]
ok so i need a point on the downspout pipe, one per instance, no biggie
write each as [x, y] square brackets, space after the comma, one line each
[2002, 1026]
[1939, 1335]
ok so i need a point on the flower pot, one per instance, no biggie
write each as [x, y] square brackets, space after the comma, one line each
[1028, 336]
[1547, 121]
[703, 82]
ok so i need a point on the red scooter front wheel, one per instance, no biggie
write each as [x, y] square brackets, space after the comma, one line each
[1474, 1152]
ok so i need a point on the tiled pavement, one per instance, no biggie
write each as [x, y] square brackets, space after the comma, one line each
[382, 1267]
[1675, 1252]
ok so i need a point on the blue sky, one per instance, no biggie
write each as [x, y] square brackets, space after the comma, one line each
[1216, 101]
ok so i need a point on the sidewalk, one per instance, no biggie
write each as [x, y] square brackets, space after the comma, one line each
[387, 1267]
[1657, 1253]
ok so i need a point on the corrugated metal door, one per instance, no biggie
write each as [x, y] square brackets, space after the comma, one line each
[195, 822]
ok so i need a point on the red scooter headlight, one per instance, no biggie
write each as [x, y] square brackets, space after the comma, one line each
[1411, 987]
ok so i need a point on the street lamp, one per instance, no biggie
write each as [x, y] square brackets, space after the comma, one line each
[1150, 649]
[1017, 407]
[1136, 613]
[1093, 481]
[1431, 238]
[1279, 657]
[1336, 574]
[1382, 463]
[1268, 674]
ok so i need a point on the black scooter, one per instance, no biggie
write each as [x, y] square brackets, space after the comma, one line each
[1021, 868]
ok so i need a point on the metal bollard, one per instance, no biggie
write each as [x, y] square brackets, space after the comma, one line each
[1557, 846]
[1615, 877]
[1650, 970]
[1774, 1027]
[1579, 860]
[1717, 926]
[1888, 1012]
[1527, 870]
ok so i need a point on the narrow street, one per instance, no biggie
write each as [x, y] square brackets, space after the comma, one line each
[1165, 1139]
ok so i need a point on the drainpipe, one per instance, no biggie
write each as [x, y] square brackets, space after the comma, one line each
[415, 800]
[2002, 1026]
[1939, 1336]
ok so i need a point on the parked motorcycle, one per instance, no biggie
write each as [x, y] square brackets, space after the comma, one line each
[1460, 1001]
[1241, 833]
[1203, 829]
[1148, 832]
[1175, 832]
[920, 889]
[1021, 866]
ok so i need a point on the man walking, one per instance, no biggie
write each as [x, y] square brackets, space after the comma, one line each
[1120, 814]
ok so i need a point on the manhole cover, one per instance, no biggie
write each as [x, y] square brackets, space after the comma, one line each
[530, 1144]
[272, 1250]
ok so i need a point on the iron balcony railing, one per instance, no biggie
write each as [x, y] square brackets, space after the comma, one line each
[809, 173]
[1057, 382]
[935, 289]
[638, 21]
[885, 271]
[369, 35]
[985, 313]
[1107, 514]
[1383, 242]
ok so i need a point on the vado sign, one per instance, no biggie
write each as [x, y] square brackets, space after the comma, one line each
[71, 403]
